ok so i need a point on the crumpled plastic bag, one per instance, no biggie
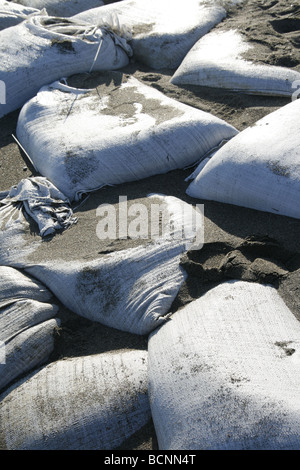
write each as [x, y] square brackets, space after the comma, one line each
[42, 201]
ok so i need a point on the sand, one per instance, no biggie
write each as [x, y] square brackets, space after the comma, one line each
[272, 241]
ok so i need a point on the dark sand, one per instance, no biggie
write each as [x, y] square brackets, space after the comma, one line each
[239, 243]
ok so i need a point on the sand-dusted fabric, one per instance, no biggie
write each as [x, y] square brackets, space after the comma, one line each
[162, 33]
[224, 372]
[27, 350]
[12, 14]
[42, 49]
[219, 60]
[23, 314]
[130, 289]
[82, 403]
[63, 8]
[120, 131]
[27, 324]
[42, 201]
[17, 285]
[259, 168]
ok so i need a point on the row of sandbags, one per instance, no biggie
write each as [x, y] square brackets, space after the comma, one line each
[122, 274]
[93, 402]
[58, 47]
[100, 419]
[168, 134]
[221, 374]
[144, 133]
[106, 37]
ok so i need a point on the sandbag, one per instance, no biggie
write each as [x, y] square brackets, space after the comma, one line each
[12, 14]
[162, 32]
[82, 403]
[224, 372]
[120, 131]
[64, 8]
[125, 280]
[259, 168]
[24, 314]
[17, 285]
[218, 60]
[27, 350]
[42, 49]
[131, 289]
[27, 323]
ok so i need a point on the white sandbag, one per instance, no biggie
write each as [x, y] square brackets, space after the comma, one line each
[259, 168]
[23, 314]
[120, 131]
[83, 403]
[217, 60]
[42, 49]
[224, 373]
[12, 14]
[15, 285]
[131, 289]
[64, 8]
[28, 349]
[42, 201]
[26, 323]
[162, 31]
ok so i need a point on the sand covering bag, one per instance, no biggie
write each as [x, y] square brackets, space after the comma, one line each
[259, 168]
[42, 49]
[63, 8]
[162, 32]
[82, 403]
[120, 131]
[131, 288]
[12, 14]
[224, 372]
[217, 60]
[27, 324]
[42, 201]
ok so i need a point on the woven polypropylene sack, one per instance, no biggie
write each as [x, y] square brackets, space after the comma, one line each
[27, 324]
[44, 48]
[259, 168]
[217, 60]
[81, 403]
[162, 32]
[120, 131]
[224, 372]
